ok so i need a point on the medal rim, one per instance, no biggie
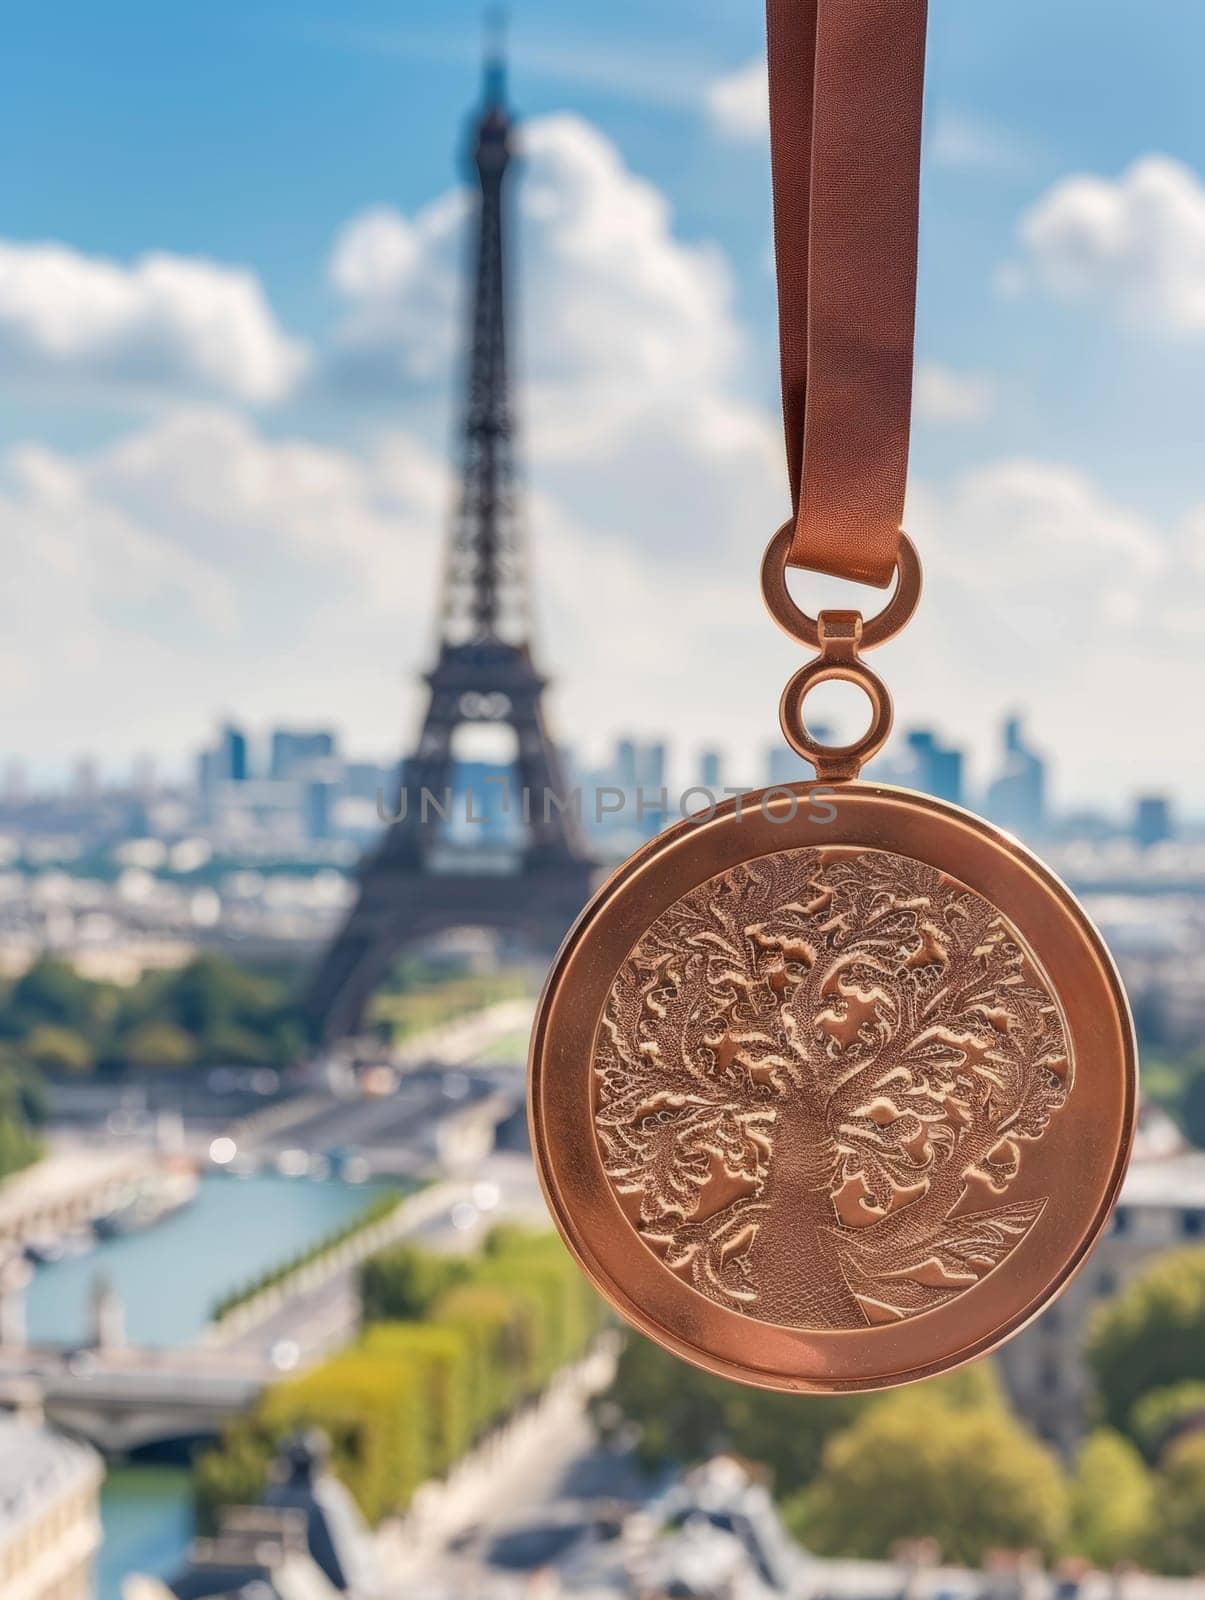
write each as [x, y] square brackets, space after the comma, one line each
[879, 801]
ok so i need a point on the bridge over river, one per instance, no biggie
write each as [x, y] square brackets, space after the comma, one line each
[124, 1394]
[123, 1400]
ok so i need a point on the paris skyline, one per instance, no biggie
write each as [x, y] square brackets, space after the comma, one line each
[224, 453]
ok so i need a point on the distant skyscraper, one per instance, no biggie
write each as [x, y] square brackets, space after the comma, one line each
[16, 782]
[85, 779]
[784, 766]
[1153, 822]
[637, 765]
[626, 764]
[936, 768]
[651, 770]
[366, 780]
[711, 771]
[1017, 798]
[485, 811]
[232, 754]
[143, 778]
[296, 749]
[207, 784]
[319, 796]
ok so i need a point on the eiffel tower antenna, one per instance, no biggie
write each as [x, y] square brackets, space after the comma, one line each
[485, 576]
[484, 671]
[496, 23]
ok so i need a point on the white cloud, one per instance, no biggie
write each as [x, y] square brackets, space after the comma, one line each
[963, 142]
[738, 104]
[400, 281]
[628, 342]
[617, 316]
[943, 395]
[1135, 243]
[1039, 591]
[1024, 530]
[279, 577]
[196, 565]
[1039, 587]
[165, 323]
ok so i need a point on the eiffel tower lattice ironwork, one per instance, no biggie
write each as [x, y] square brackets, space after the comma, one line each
[484, 673]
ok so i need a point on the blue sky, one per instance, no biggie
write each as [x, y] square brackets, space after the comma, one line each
[215, 510]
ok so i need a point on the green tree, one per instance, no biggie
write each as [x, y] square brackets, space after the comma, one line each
[1161, 1415]
[405, 1281]
[405, 1401]
[206, 995]
[685, 1415]
[52, 991]
[442, 1358]
[55, 1048]
[1192, 1102]
[1151, 1336]
[242, 1046]
[19, 1146]
[233, 1473]
[21, 1101]
[22, 1088]
[157, 1045]
[373, 1411]
[1178, 1538]
[1112, 1501]
[916, 1466]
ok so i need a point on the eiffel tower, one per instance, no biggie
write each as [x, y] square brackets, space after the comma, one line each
[484, 673]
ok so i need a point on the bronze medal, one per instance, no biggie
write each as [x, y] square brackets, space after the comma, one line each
[834, 1087]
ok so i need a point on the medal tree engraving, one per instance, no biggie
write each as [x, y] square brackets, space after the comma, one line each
[813, 1072]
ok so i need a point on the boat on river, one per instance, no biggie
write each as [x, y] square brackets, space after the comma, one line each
[153, 1201]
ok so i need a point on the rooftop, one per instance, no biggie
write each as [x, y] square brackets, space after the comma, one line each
[1175, 1181]
[63, 1175]
[37, 1469]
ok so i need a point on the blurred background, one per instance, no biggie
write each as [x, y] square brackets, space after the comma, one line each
[388, 442]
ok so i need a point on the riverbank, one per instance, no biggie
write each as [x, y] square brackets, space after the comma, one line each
[236, 1229]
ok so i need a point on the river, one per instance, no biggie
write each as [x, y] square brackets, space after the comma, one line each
[234, 1230]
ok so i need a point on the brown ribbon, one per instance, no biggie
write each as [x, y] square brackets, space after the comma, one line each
[846, 92]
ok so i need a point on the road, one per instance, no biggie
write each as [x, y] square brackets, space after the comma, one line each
[309, 1321]
[396, 1135]
[544, 1468]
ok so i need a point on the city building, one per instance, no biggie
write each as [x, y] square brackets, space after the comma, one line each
[627, 799]
[233, 765]
[623, 768]
[653, 767]
[715, 1534]
[223, 763]
[85, 779]
[319, 803]
[1162, 1206]
[14, 786]
[711, 771]
[486, 805]
[784, 766]
[1016, 799]
[370, 781]
[1153, 823]
[295, 751]
[49, 1519]
[935, 768]
[637, 766]
[305, 1537]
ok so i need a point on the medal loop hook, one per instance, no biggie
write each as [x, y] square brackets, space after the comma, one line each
[840, 637]
[884, 625]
